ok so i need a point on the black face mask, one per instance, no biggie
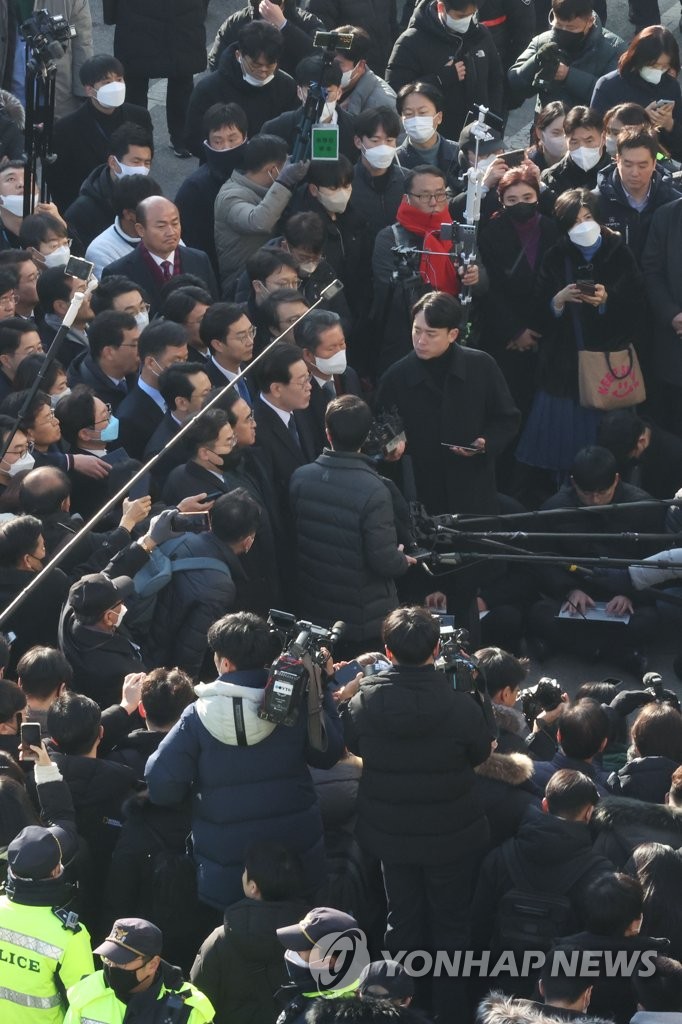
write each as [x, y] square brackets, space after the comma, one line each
[521, 212]
[120, 982]
[571, 42]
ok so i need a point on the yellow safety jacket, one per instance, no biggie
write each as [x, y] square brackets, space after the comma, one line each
[92, 1001]
[35, 950]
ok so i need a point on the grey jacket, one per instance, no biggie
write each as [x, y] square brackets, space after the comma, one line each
[660, 263]
[599, 56]
[245, 219]
[69, 90]
[370, 91]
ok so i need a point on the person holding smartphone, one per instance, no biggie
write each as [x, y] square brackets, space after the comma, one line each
[647, 75]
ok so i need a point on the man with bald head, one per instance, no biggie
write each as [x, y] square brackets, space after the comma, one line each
[160, 255]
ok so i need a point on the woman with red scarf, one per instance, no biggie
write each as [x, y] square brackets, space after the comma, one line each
[424, 208]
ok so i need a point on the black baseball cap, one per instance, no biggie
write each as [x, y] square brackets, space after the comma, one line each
[96, 593]
[131, 938]
[37, 851]
[316, 925]
[467, 140]
[385, 979]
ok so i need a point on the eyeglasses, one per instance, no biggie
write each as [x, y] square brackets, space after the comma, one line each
[245, 336]
[21, 452]
[8, 300]
[287, 321]
[144, 307]
[289, 282]
[129, 344]
[108, 416]
[302, 385]
[430, 197]
[55, 243]
[258, 66]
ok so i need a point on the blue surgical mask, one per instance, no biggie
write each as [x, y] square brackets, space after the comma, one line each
[110, 432]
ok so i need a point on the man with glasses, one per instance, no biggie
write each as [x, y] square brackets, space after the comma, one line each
[18, 457]
[184, 387]
[9, 279]
[18, 338]
[123, 295]
[209, 444]
[423, 209]
[279, 313]
[229, 335]
[133, 979]
[247, 74]
[25, 293]
[55, 291]
[110, 366]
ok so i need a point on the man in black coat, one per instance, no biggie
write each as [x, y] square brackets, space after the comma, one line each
[81, 139]
[247, 74]
[109, 365]
[456, 408]
[445, 46]
[159, 257]
[347, 561]
[584, 130]
[297, 28]
[420, 740]
[184, 387]
[378, 181]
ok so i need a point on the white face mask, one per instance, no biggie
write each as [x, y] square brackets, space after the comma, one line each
[586, 157]
[14, 204]
[251, 80]
[459, 25]
[142, 319]
[611, 145]
[112, 94]
[336, 201]
[25, 462]
[554, 146]
[125, 170]
[58, 258]
[419, 129]
[55, 399]
[485, 162]
[335, 364]
[380, 157]
[651, 75]
[329, 108]
[308, 268]
[585, 234]
[119, 618]
[346, 77]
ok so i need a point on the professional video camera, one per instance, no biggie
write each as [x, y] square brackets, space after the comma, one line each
[548, 58]
[289, 680]
[317, 94]
[46, 35]
[406, 260]
[456, 660]
[544, 696]
[653, 684]
[385, 434]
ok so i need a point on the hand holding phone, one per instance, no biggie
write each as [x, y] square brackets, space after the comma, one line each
[30, 737]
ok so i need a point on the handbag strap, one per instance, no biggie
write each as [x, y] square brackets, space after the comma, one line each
[630, 365]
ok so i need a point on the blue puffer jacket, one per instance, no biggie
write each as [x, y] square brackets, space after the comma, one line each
[260, 789]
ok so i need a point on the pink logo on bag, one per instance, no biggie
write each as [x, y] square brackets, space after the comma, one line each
[619, 382]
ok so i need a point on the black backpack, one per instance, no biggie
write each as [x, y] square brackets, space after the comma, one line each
[531, 920]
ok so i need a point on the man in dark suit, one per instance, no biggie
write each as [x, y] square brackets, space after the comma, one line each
[55, 291]
[229, 335]
[209, 441]
[184, 388]
[321, 338]
[283, 430]
[161, 344]
[159, 257]
[81, 139]
[110, 365]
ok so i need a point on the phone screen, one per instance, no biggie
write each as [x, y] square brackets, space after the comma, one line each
[30, 736]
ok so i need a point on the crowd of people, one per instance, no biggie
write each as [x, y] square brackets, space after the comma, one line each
[252, 815]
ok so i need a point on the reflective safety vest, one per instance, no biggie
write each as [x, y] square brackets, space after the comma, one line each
[91, 1001]
[35, 947]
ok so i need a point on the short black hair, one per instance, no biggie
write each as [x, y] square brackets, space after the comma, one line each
[331, 173]
[312, 66]
[166, 692]
[308, 333]
[36, 227]
[348, 420]
[360, 46]
[569, 204]
[222, 115]
[42, 670]
[110, 288]
[275, 869]
[368, 121]
[619, 431]
[611, 902]
[11, 332]
[562, 985]
[73, 722]
[660, 992]
[657, 732]
[131, 189]
[181, 302]
[440, 310]
[9, 279]
[94, 69]
[43, 490]
[12, 700]
[11, 405]
[411, 634]
[569, 792]
[53, 286]
[28, 368]
[268, 311]
[75, 412]
[594, 469]
[242, 638]
[267, 260]
[305, 229]
[582, 728]
[18, 537]
[501, 669]
[106, 331]
[262, 150]
[160, 335]
[567, 10]
[434, 171]
[129, 134]
[218, 320]
[420, 89]
[275, 367]
[175, 382]
[205, 430]
[235, 515]
[257, 38]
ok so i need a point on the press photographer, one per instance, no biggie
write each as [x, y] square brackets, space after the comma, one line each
[248, 776]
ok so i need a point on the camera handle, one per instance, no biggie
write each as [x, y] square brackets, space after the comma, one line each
[317, 729]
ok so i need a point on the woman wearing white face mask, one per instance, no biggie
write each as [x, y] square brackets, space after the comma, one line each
[647, 75]
[585, 157]
[550, 146]
[420, 106]
[590, 294]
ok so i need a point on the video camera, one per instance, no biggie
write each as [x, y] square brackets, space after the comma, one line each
[406, 260]
[653, 684]
[385, 434]
[317, 95]
[544, 696]
[46, 35]
[548, 58]
[456, 660]
[289, 678]
[334, 40]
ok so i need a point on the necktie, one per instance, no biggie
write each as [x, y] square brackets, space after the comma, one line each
[291, 427]
[166, 269]
[244, 392]
[330, 388]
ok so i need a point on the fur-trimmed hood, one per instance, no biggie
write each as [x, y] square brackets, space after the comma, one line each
[497, 1008]
[615, 812]
[510, 719]
[512, 769]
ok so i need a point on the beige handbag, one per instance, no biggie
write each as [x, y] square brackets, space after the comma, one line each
[610, 380]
